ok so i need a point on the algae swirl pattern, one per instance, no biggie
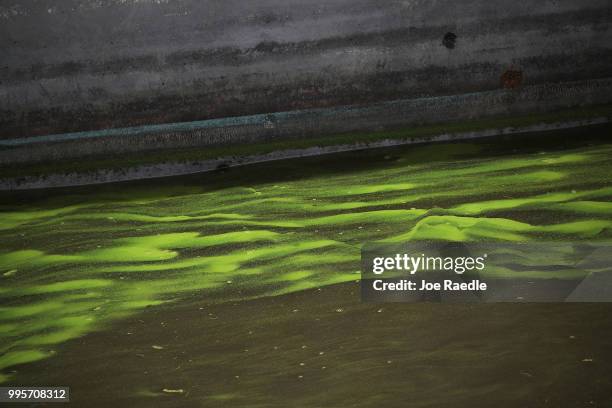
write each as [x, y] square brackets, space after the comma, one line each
[77, 262]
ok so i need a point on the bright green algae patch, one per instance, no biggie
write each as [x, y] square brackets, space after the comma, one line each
[73, 263]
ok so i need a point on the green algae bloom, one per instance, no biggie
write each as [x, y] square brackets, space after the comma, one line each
[74, 263]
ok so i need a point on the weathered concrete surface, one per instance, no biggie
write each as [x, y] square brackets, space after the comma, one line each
[311, 124]
[70, 65]
[177, 168]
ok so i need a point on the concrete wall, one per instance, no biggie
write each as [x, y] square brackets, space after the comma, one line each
[70, 65]
[531, 102]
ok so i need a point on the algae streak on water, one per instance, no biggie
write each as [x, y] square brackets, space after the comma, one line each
[72, 263]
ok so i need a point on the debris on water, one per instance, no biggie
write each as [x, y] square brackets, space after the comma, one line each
[295, 310]
[572, 337]
[300, 376]
[526, 373]
[10, 273]
[321, 353]
[339, 310]
[389, 361]
[379, 311]
[587, 360]
[156, 347]
[304, 346]
[302, 364]
[173, 391]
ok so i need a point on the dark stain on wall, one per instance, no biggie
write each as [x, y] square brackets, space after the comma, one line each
[449, 40]
[511, 78]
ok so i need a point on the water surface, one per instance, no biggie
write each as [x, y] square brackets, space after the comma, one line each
[83, 262]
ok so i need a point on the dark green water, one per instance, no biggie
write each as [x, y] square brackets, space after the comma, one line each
[190, 283]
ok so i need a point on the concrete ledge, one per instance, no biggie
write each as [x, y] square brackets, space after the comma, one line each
[311, 124]
[176, 168]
